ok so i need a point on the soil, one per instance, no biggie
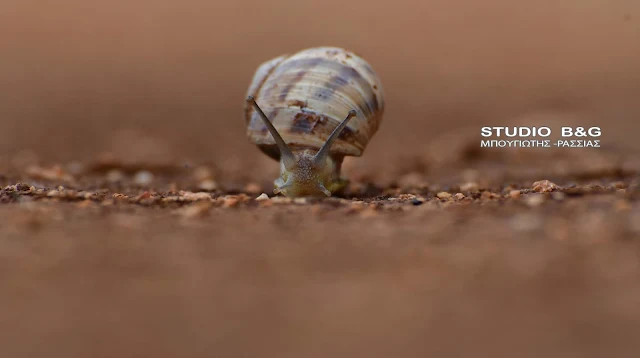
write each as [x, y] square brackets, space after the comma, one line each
[133, 223]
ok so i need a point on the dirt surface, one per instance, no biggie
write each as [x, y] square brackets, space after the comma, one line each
[130, 220]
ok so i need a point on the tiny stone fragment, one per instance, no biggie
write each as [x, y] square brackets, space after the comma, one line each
[487, 195]
[514, 194]
[230, 201]
[416, 201]
[119, 196]
[189, 196]
[54, 173]
[406, 196]
[544, 186]
[618, 185]
[444, 195]
[22, 187]
[459, 196]
[262, 197]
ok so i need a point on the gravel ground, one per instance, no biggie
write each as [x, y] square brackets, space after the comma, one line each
[104, 267]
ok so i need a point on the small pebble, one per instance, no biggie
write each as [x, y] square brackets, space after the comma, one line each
[143, 177]
[145, 196]
[262, 197]
[406, 196]
[444, 195]
[459, 196]
[618, 185]
[22, 187]
[514, 194]
[230, 201]
[416, 201]
[54, 173]
[544, 186]
[189, 196]
[120, 196]
[487, 195]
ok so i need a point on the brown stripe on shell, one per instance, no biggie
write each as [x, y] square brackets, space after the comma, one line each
[369, 94]
[305, 122]
[347, 134]
[327, 75]
[285, 91]
[297, 103]
[334, 84]
[344, 73]
[340, 80]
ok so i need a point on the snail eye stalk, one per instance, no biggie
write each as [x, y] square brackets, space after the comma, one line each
[322, 154]
[285, 152]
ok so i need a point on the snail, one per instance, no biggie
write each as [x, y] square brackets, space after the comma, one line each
[309, 110]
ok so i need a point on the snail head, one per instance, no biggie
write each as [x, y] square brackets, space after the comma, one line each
[305, 172]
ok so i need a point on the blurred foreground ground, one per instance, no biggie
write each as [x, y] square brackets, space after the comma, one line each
[129, 225]
[112, 265]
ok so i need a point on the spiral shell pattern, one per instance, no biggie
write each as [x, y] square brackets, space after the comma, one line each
[307, 94]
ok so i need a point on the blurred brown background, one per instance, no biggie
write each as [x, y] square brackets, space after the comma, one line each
[155, 81]
[165, 80]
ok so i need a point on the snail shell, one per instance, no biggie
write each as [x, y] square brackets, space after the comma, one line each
[306, 95]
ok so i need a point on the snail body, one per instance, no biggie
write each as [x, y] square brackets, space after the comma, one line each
[315, 107]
